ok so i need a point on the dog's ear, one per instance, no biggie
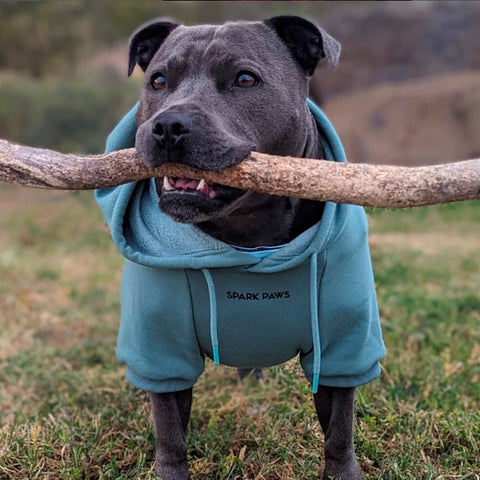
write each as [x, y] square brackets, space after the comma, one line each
[307, 42]
[146, 40]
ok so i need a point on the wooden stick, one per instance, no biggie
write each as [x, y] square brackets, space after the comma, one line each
[369, 185]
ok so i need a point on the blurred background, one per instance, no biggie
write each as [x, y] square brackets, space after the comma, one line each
[407, 90]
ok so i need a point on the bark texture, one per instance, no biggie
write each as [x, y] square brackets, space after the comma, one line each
[362, 184]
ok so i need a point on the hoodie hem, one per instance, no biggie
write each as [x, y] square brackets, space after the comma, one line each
[178, 384]
[348, 381]
[159, 386]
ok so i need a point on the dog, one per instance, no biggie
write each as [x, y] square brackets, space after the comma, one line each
[247, 279]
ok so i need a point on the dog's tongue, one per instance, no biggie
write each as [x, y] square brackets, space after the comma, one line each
[170, 183]
[186, 184]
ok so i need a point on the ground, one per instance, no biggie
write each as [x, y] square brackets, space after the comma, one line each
[67, 412]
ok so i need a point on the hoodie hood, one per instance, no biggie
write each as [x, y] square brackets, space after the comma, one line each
[145, 235]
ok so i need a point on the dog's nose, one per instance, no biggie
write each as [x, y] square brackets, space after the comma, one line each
[171, 127]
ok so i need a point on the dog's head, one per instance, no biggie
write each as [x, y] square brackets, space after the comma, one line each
[212, 94]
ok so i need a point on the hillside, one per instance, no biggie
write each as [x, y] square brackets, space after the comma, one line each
[426, 121]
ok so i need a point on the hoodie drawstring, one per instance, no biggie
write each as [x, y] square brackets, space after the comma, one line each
[213, 314]
[317, 349]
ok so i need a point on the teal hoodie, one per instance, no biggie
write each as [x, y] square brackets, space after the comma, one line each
[186, 295]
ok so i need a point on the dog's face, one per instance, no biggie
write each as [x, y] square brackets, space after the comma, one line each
[212, 94]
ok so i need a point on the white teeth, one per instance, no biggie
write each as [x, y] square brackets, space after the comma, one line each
[166, 184]
[201, 184]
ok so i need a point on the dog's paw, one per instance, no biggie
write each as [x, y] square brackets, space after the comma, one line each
[350, 471]
[172, 472]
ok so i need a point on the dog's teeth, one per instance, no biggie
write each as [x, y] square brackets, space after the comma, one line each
[201, 184]
[166, 184]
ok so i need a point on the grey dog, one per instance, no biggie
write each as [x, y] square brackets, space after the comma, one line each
[211, 95]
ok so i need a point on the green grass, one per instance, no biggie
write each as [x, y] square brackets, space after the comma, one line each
[66, 411]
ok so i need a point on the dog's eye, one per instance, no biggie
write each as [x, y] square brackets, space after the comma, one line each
[158, 81]
[246, 80]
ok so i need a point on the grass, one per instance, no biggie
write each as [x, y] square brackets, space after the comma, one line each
[66, 411]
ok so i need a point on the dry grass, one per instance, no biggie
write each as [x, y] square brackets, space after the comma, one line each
[67, 412]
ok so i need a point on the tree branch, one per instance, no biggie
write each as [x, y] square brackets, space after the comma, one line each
[369, 185]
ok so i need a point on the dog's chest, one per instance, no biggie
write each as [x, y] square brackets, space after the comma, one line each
[262, 319]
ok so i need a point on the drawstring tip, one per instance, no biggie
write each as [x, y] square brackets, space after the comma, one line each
[315, 383]
[216, 355]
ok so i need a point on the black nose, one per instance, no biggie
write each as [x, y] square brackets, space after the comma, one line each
[169, 128]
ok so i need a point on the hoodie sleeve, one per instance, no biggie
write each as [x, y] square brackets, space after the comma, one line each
[351, 338]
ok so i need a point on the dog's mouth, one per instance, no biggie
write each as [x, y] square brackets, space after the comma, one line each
[187, 186]
[193, 201]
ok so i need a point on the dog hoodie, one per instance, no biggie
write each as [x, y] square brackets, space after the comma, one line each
[186, 295]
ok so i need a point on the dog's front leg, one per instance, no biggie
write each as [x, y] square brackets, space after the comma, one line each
[335, 411]
[171, 412]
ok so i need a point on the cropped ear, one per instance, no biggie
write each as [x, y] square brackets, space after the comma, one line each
[307, 42]
[145, 41]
